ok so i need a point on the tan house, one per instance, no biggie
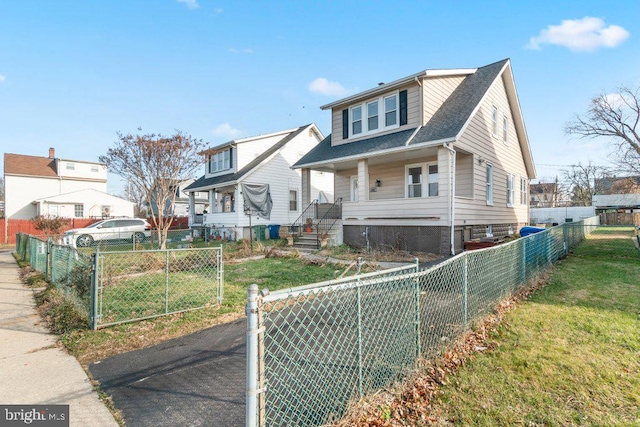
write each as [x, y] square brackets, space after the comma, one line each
[429, 161]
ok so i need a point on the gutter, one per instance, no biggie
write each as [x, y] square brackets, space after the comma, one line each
[452, 205]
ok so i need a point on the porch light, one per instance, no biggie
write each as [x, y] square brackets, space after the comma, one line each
[378, 183]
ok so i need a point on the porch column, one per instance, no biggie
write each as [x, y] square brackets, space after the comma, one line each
[363, 180]
[306, 187]
[192, 208]
[212, 201]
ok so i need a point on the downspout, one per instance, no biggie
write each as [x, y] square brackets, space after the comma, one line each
[452, 205]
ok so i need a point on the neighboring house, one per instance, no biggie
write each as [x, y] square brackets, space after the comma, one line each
[88, 203]
[436, 157]
[180, 207]
[618, 185]
[622, 203]
[544, 195]
[257, 171]
[29, 180]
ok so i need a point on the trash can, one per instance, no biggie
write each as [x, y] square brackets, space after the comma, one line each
[274, 231]
[525, 231]
[260, 232]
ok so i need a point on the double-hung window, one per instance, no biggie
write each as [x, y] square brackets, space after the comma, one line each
[220, 161]
[293, 200]
[356, 120]
[510, 189]
[372, 115]
[79, 210]
[415, 180]
[505, 129]
[489, 184]
[391, 110]
[523, 191]
[494, 121]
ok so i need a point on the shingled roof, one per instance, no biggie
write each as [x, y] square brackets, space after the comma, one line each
[446, 124]
[232, 178]
[20, 164]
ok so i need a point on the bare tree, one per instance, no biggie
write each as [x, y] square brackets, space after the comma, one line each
[584, 182]
[617, 116]
[133, 194]
[154, 165]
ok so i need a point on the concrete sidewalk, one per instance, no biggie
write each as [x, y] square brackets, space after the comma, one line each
[33, 370]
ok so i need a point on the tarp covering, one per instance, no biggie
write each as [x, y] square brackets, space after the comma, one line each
[257, 200]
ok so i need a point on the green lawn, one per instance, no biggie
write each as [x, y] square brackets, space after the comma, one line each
[568, 356]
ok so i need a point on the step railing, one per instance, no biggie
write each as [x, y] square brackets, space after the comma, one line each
[328, 221]
[306, 219]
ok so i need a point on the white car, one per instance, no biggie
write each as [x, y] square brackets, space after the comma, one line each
[109, 229]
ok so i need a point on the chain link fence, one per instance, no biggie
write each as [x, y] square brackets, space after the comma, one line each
[131, 286]
[313, 350]
[112, 287]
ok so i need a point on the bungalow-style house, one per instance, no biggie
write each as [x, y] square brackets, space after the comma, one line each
[58, 187]
[250, 182]
[429, 161]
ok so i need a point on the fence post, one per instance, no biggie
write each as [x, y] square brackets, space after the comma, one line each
[251, 310]
[417, 310]
[94, 291]
[49, 262]
[359, 321]
[166, 282]
[565, 234]
[220, 276]
[465, 290]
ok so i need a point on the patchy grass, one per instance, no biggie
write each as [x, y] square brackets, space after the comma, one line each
[348, 253]
[273, 273]
[570, 355]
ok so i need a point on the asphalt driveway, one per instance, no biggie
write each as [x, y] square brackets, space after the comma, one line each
[195, 380]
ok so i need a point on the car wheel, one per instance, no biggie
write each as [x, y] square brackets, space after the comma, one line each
[84, 241]
[138, 236]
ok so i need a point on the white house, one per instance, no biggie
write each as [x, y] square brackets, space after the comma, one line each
[58, 187]
[429, 161]
[255, 173]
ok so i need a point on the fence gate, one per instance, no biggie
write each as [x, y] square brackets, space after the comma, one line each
[129, 286]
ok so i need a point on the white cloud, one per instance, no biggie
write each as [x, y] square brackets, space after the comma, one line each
[218, 11]
[234, 50]
[2, 78]
[326, 87]
[584, 34]
[191, 4]
[227, 131]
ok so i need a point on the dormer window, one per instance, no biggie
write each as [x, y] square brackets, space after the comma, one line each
[365, 118]
[391, 110]
[220, 161]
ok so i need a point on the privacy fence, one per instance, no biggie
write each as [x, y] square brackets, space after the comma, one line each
[313, 350]
[112, 287]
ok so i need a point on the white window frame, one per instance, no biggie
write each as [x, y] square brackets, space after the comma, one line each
[489, 230]
[396, 111]
[523, 191]
[95, 169]
[221, 160]
[352, 122]
[78, 207]
[293, 200]
[71, 166]
[353, 188]
[431, 181]
[489, 186]
[382, 115]
[494, 120]
[511, 191]
[406, 180]
[505, 129]
[376, 115]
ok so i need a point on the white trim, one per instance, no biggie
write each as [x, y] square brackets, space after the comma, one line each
[353, 190]
[422, 167]
[505, 129]
[511, 191]
[382, 115]
[494, 120]
[398, 83]
[489, 187]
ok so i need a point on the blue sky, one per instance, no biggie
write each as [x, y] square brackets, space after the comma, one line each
[73, 73]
